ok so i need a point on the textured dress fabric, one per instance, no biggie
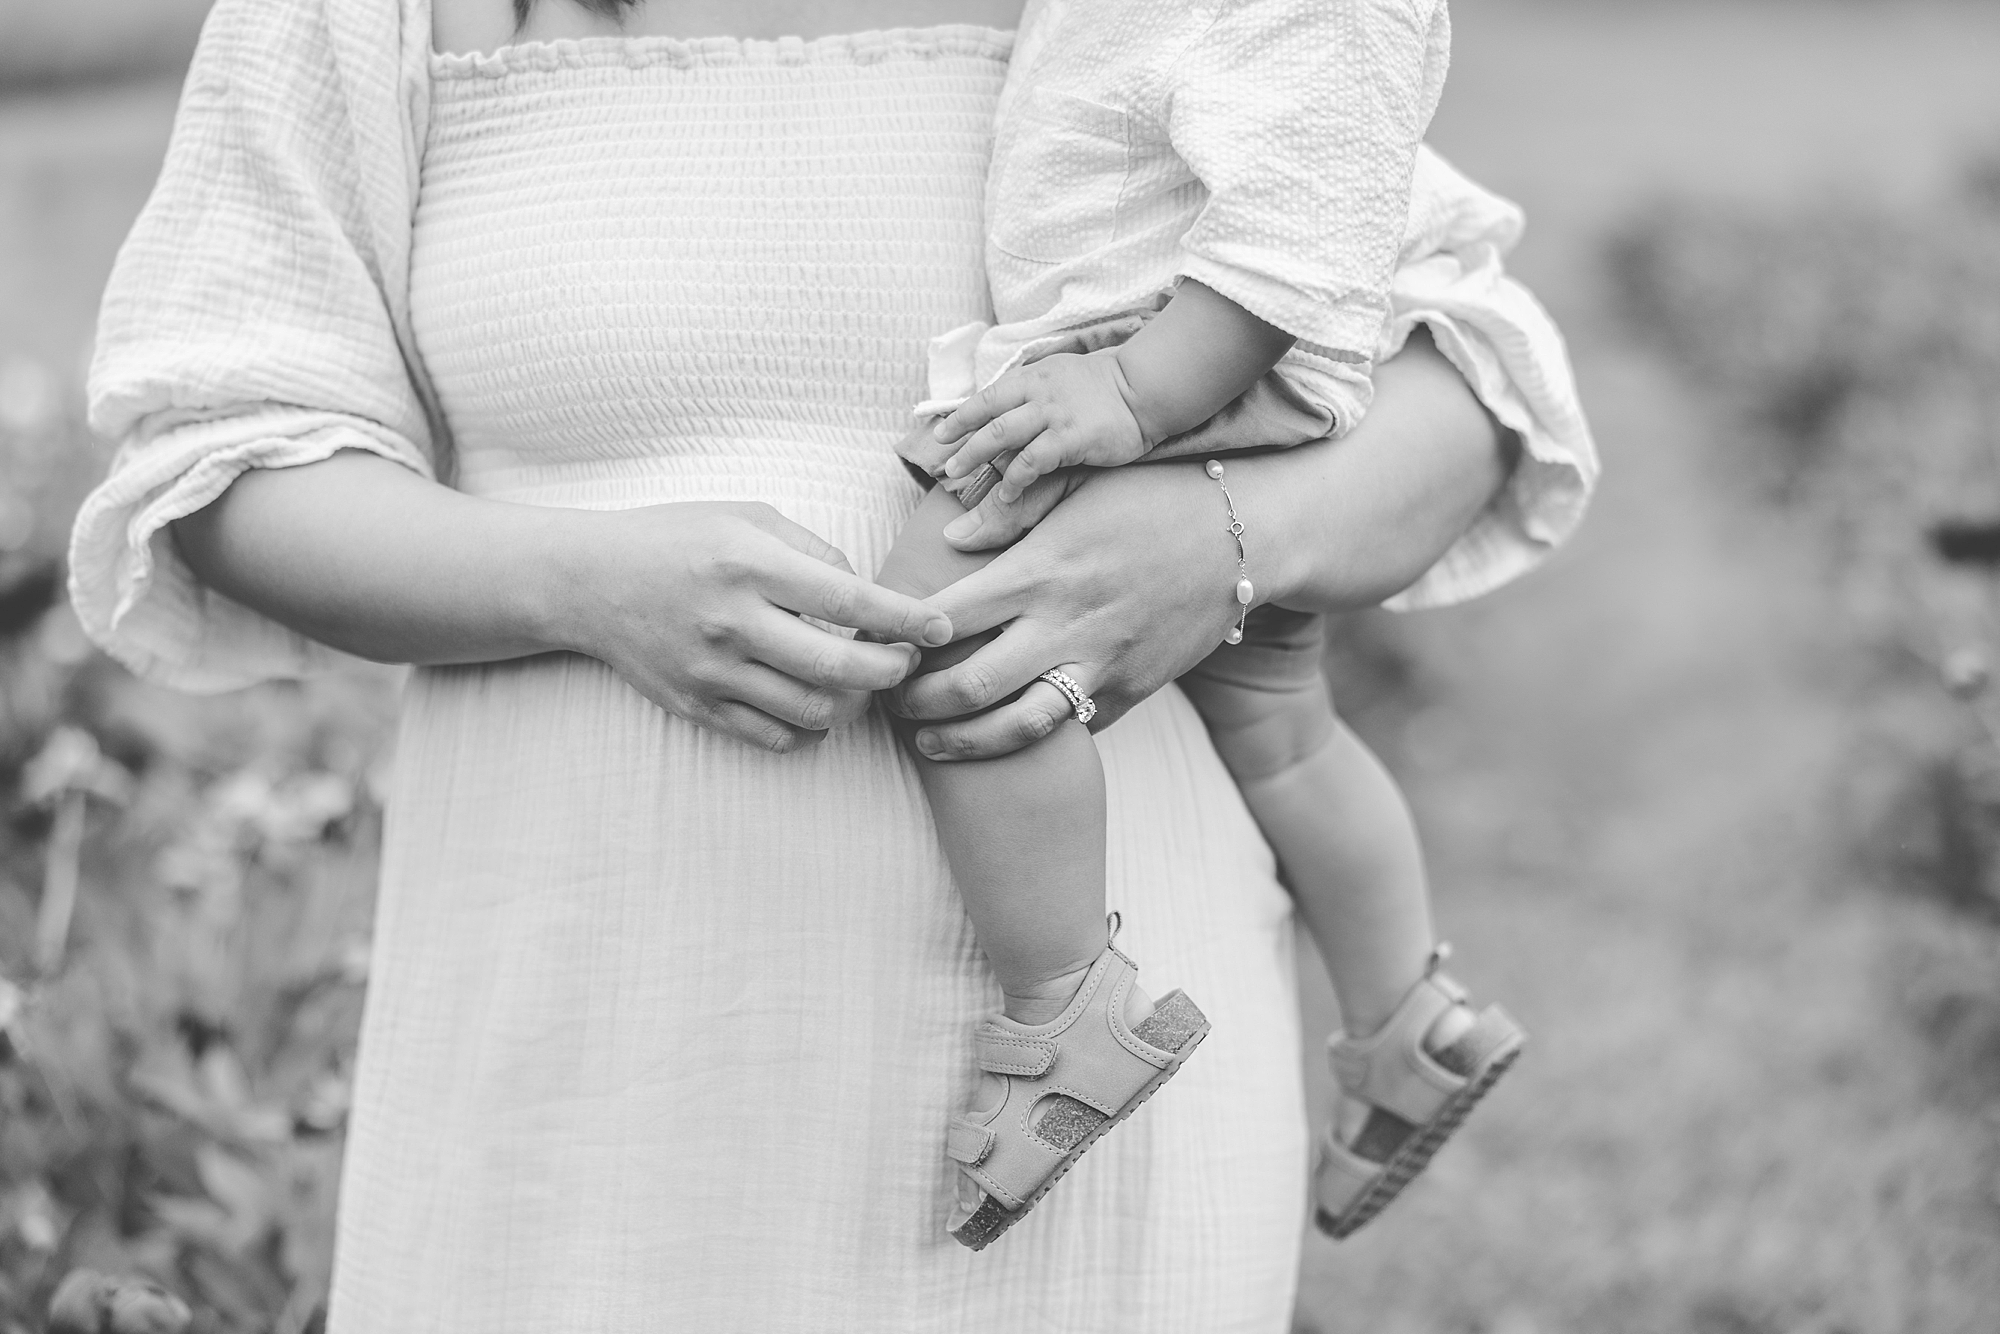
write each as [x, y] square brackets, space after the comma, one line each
[666, 1031]
[1263, 147]
[663, 1032]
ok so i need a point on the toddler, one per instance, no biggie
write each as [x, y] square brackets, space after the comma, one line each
[1208, 196]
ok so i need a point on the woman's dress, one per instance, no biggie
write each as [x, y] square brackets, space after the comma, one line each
[663, 1031]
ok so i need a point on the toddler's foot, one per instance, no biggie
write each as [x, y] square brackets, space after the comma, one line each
[1111, 1047]
[1404, 1089]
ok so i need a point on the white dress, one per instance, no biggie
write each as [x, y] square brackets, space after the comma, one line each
[663, 1032]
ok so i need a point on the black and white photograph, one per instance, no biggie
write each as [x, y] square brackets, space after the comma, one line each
[999, 666]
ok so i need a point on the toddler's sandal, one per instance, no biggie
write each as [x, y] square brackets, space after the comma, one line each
[1415, 1098]
[1066, 1084]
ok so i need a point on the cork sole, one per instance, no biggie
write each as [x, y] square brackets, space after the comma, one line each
[1173, 1014]
[1416, 1152]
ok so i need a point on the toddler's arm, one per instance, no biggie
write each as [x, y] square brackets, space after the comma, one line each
[1108, 407]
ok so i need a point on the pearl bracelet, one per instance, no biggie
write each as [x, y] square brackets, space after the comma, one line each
[1245, 590]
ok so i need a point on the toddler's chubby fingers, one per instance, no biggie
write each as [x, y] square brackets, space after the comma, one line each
[1007, 432]
[1002, 396]
[1037, 459]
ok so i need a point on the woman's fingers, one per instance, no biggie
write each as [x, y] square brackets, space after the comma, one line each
[755, 727]
[824, 661]
[811, 586]
[785, 698]
[800, 538]
[1003, 395]
[1040, 710]
[994, 671]
[997, 523]
[989, 596]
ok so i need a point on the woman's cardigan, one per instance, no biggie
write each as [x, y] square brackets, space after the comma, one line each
[258, 317]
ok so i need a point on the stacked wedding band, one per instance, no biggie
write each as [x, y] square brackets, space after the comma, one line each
[1084, 705]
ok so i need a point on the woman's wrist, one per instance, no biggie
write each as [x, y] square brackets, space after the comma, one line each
[1344, 524]
[1276, 556]
[555, 581]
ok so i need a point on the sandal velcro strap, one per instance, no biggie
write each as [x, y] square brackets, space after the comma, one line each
[1066, 1082]
[968, 1142]
[1005, 1053]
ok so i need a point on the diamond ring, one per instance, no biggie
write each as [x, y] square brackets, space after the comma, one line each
[1085, 706]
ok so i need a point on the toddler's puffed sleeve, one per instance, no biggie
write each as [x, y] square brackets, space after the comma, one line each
[256, 317]
[1302, 121]
[1452, 279]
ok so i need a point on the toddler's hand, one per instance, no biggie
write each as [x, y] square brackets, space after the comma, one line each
[1063, 410]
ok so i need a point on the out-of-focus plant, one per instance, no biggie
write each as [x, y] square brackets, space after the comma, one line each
[1862, 348]
[1857, 352]
[185, 894]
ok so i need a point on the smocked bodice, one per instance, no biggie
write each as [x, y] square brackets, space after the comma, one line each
[652, 269]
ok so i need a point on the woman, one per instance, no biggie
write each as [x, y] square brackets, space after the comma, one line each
[670, 986]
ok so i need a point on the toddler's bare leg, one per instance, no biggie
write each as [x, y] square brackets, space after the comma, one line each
[1024, 833]
[1342, 831]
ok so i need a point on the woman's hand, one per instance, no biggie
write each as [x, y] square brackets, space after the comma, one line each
[698, 606]
[1128, 579]
[1126, 584]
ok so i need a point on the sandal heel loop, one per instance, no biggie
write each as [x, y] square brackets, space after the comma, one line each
[967, 1141]
[1390, 1068]
[1001, 1052]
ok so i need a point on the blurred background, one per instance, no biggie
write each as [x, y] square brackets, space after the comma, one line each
[1713, 800]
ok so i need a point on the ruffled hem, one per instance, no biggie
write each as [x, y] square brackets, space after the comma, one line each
[1545, 500]
[646, 49]
[139, 601]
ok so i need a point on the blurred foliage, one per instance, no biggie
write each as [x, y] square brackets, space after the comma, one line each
[1858, 353]
[1863, 349]
[185, 892]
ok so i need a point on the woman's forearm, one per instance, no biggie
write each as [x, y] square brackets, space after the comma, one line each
[1347, 523]
[700, 606]
[361, 554]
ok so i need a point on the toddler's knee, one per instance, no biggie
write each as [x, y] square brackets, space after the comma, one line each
[1272, 733]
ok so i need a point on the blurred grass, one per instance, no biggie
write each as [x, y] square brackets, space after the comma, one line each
[1673, 785]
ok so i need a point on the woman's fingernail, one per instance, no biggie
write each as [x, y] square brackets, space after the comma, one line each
[938, 633]
[928, 747]
[954, 466]
[941, 432]
[965, 525]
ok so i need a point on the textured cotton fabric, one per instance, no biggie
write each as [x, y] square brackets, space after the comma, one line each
[666, 1033]
[258, 317]
[663, 1032]
[1262, 147]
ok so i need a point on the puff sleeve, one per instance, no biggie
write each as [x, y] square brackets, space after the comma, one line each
[256, 317]
[1452, 278]
[1302, 122]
